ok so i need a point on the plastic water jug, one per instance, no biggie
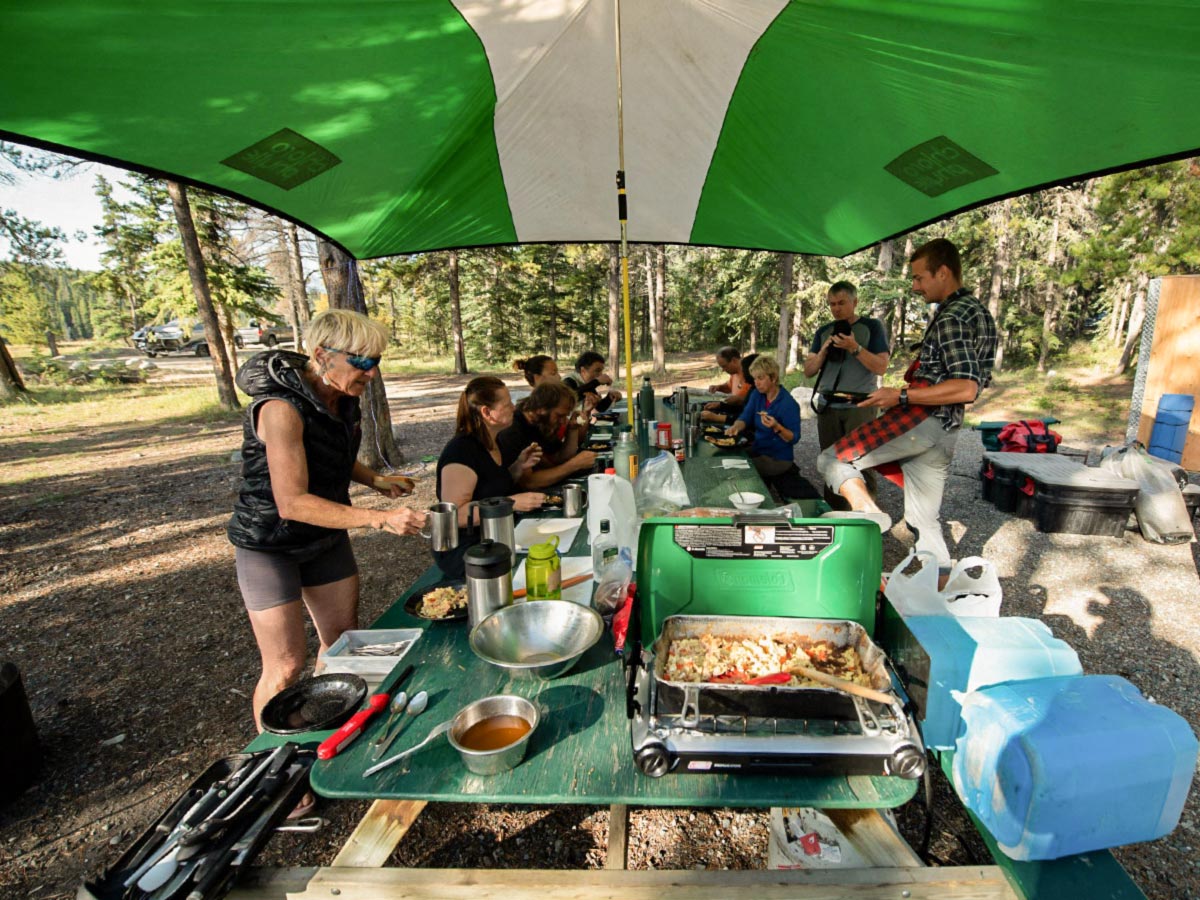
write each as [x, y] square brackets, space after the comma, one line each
[1057, 766]
[611, 497]
[968, 652]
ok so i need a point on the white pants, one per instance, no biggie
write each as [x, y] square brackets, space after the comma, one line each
[924, 455]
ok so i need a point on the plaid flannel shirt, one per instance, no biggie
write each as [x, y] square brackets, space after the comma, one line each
[960, 342]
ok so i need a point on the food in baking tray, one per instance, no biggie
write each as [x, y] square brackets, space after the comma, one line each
[441, 602]
[762, 660]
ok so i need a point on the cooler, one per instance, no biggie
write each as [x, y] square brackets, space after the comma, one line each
[1057, 766]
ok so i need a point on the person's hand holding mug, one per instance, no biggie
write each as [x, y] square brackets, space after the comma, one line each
[403, 520]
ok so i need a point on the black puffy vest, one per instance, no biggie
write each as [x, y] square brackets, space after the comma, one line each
[330, 448]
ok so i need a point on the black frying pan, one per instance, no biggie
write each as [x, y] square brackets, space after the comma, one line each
[314, 704]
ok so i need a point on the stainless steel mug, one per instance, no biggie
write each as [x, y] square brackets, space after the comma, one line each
[574, 500]
[443, 526]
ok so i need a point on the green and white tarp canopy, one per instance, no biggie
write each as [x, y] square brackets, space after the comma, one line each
[395, 126]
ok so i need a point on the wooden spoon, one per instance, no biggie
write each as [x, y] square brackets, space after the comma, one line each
[842, 684]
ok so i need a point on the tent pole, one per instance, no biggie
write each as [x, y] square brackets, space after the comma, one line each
[623, 214]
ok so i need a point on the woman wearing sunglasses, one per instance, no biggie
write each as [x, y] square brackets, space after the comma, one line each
[299, 448]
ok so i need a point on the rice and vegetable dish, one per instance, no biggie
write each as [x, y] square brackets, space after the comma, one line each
[443, 601]
[741, 660]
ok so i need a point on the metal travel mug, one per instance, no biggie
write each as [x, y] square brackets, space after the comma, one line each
[574, 500]
[443, 526]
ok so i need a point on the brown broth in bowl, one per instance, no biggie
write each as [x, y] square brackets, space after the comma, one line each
[494, 733]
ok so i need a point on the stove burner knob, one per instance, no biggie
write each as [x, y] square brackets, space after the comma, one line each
[653, 760]
[908, 762]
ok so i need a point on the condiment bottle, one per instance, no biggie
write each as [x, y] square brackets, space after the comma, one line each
[604, 549]
[625, 455]
[543, 571]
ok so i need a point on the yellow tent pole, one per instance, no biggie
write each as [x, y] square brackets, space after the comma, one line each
[623, 213]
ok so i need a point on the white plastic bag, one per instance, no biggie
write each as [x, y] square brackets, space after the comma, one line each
[1161, 513]
[964, 594]
[660, 489]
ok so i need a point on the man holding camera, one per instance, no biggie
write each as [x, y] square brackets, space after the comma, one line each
[848, 356]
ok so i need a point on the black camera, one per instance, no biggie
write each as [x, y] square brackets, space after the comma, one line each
[837, 354]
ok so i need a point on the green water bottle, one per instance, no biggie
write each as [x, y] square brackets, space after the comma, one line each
[543, 571]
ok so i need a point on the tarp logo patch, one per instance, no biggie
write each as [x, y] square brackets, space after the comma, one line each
[285, 159]
[937, 166]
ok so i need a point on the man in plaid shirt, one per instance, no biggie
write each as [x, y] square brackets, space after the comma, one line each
[920, 423]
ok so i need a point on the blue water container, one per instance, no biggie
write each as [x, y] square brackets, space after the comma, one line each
[966, 653]
[1058, 766]
[1171, 426]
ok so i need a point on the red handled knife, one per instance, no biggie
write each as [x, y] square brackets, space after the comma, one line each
[344, 736]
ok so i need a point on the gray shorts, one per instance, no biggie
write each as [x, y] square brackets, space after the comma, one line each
[272, 579]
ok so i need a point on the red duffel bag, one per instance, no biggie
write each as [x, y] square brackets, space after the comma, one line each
[1028, 436]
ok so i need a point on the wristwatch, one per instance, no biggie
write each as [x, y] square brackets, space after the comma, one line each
[857, 350]
[904, 396]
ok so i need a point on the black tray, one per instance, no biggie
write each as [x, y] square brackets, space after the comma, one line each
[413, 604]
[598, 446]
[248, 840]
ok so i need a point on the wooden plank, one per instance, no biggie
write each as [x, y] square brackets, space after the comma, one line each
[618, 837]
[381, 829]
[952, 883]
[874, 837]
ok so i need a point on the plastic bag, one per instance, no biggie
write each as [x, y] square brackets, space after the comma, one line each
[611, 585]
[660, 489]
[1161, 513]
[964, 594]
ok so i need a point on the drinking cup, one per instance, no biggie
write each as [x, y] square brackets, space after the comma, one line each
[574, 500]
[443, 526]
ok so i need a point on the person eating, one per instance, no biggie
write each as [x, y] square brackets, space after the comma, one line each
[587, 380]
[472, 465]
[539, 418]
[774, 417]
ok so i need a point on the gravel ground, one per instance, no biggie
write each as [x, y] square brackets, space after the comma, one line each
[119, 603]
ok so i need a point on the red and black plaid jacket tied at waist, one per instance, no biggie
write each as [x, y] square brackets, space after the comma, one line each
[874, 434]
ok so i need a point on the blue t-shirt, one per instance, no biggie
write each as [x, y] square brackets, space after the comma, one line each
[785, 409]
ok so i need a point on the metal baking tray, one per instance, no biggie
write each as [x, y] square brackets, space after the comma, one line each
[705, 698]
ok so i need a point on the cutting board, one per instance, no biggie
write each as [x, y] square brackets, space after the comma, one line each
[537, 531]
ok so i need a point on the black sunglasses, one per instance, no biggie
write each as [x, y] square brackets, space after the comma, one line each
[362, 363]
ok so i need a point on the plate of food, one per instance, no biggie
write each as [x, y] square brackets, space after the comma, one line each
[552, 502]
[443, 602]
[717, 430]
[598, 446]
[726, 444]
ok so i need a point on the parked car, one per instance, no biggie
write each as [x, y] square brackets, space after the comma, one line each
[171, 337]
[264, 333]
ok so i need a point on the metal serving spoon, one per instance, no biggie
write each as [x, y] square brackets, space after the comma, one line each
[416, 706]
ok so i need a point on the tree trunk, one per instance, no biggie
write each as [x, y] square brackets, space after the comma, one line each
[340, 273]
[1000, 264]
[1116, 325]
[659, 298]
[51, 343]
[460, 347]
[1050, 310]
[304, 314]
[226, 393]
[614, 311]
[1135, 325]
[552, 290]
[753, 332]
[795, 347]
[11, 383]
[787, 271]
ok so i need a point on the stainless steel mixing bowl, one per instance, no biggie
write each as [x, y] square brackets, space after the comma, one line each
[539, 639]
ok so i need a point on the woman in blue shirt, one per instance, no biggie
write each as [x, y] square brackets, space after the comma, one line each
[774, 416]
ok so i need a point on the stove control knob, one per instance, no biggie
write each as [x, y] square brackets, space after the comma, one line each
[907, 762]
[653, 760]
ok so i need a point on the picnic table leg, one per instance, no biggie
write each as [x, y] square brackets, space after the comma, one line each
[618, 837]
[381, 829]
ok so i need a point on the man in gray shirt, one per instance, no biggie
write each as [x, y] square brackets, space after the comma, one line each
[850, 354]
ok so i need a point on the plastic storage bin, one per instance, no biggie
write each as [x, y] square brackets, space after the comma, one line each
[1083, 510]
[1007, 485]
[966, 653]
[1057, 766]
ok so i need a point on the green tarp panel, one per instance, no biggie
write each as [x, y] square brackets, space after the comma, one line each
[393, 126]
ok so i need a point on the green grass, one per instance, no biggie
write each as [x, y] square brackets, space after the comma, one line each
[91, 405]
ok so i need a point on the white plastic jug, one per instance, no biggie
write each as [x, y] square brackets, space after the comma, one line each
[611, 497]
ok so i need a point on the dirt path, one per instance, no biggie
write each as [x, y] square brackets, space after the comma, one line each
[118, 602]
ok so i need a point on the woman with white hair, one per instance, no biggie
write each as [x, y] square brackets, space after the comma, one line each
[773, 417]
[299, 455]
